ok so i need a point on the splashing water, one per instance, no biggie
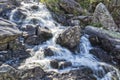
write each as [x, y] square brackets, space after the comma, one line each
[101, 70]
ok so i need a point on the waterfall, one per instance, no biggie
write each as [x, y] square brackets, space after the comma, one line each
[102, 71]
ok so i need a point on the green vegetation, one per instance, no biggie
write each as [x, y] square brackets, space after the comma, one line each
[52, 5]
[97, 24]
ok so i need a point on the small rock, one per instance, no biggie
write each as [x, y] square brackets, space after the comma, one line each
[54, 64]
[35, 7]
[64, 64]
[48, 52]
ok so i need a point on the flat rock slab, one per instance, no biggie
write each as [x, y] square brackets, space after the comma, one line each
[8, 31]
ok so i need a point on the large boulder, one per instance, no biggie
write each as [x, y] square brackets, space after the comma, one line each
[107, 40]
[8, 31]
[82, 73]
[9, 73]
[70, 38]
[102, 16]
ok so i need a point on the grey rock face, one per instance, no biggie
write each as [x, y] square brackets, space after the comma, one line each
[8, 31]
[70, 37]
[102, 15]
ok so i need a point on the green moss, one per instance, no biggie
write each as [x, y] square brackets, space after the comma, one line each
[97, 24]
[112, 33]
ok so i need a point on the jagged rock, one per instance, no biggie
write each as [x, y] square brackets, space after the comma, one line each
[44, 33]
[102, 15]
[70, 38]
[71, 6]
[8, 31]
[108, 40]
[6, 6]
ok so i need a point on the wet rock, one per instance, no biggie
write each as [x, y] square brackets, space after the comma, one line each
[8, 73]
[94, 40]
[48, 52]
[101, 55]
[70, 37]
[15, 53]
[33, 40]
[60, 64]
[19, 16]
[109, 40]
[44, 33]
[63, 65]
[83, 73]
[71, 6]
[35, 7]
[34, 21]
[35, 73]
[102, 15]
[8, 31]
[28, 30]
[54, 64]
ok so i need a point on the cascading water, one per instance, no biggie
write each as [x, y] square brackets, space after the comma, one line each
[102, 71]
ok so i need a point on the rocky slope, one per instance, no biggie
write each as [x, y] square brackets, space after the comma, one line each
[21, 38]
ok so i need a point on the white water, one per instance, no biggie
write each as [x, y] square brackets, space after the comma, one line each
[84, 58]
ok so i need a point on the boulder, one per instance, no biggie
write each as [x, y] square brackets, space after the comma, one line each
[9, 73]
[70, 37]
[83, 73]
[108, 40]
[8, 31]
[44, 33]
[102, 15]
[33, 40]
